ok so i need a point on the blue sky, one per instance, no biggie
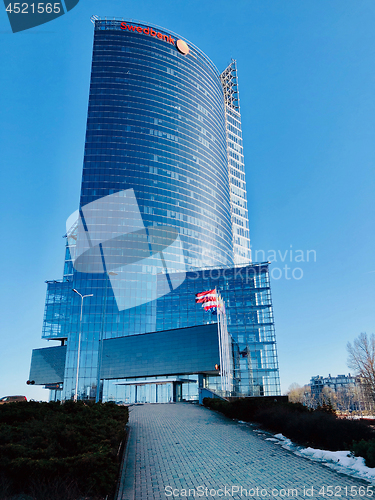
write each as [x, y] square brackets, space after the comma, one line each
[306, 78]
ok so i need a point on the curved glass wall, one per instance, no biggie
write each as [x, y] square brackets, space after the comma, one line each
[156, 171]
[156, 124]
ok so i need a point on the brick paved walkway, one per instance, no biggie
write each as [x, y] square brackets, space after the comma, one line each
[181, 446]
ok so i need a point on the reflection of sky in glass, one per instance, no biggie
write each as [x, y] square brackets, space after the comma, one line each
[112, 238]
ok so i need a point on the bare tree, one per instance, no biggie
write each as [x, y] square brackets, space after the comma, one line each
[328, 395]
[362, 360]
[295, 393]
[298, 394]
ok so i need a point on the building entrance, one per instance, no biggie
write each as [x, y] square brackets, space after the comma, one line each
[155, 391]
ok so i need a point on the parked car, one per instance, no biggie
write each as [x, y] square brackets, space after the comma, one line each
[12, 399]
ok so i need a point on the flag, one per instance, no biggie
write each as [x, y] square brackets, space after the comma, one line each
[208, 299]
[205, 296]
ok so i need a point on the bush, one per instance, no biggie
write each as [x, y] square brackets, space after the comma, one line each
[365, 449]
[44, 446]
[316, 428]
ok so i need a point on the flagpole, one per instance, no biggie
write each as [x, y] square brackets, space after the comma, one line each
[219, 338]
[212, 299]
[223, 345]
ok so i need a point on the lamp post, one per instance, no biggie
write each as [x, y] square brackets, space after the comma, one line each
[100, 349]
[79, 340]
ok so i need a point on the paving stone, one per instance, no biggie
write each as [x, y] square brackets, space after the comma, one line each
[179, 450]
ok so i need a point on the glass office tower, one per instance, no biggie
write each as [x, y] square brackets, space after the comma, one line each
[236, 166]
[164, 162]
[156, 124]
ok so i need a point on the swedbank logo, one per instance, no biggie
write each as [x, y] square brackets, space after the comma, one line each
[181, 46]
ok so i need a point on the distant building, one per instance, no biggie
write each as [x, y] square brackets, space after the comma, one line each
[345, 392]
[335, 383]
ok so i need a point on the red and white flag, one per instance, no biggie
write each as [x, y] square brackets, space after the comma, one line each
[207, 299]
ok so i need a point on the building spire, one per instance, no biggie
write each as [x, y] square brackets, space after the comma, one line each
[230, 86]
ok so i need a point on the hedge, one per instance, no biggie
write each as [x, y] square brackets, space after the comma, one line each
[316, 428]
[72, 445]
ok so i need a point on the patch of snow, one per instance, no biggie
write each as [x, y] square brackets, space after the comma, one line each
[342, 458]
[280, 436]
[285, 443]
[341, 461]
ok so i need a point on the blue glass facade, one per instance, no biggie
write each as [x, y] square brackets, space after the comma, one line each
[156, 124]
[190, 351]
[247, 295]
[161, 131]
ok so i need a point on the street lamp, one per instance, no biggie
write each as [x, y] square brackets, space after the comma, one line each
[79, 340]
[100, 348]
